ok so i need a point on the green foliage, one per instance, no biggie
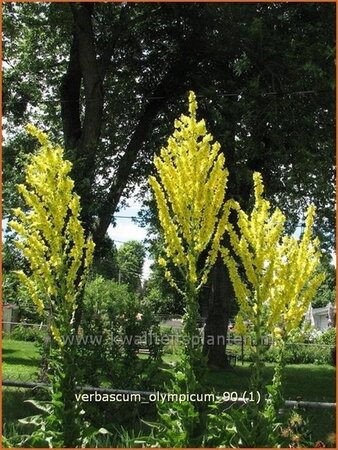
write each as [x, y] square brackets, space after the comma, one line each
[121, 437]
[221, 430]
[254, 427]
[130, 259]
[301, 354]
[180, 423]
[295, 353]
[28, 333]
[14, 436]
[235, 428]
[165, 304]
[165, 299]
[48, 425]
[304, 334]
[328, 337]
[105, 260]
[327, 291]
[115, 325]
[14, 292]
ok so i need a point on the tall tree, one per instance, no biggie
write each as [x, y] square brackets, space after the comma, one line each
[130, 259]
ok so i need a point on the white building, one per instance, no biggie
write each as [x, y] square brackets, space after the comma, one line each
[322, 318]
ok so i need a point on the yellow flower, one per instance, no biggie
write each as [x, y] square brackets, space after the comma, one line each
[40, 135]
[162, 262]
[277, 332]
[167, 274]
[56, 335]
[189, 190]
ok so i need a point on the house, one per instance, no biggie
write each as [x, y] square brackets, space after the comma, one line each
[322, 318]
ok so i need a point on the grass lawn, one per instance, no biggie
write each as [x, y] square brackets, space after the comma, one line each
[20, 360]
[307, 382]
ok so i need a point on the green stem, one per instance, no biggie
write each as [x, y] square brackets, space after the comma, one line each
[277, 399]
[64, 377]
[257, 376]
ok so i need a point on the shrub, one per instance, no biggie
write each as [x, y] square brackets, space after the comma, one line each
[159, 294]
[302, 354]
[108, 348]
[328, 337]
[116, 324]
[295, 353]
[304, 334]
[28, 333]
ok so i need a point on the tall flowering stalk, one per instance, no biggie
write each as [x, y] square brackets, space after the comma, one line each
[189, 190]
[51, 238]
[277, 279]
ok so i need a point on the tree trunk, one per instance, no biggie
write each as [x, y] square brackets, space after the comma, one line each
[221, 298]
[82, 134]
[216, 326]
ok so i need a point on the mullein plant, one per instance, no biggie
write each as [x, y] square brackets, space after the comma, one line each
[51, 238]
[275, 278]
[189, 188]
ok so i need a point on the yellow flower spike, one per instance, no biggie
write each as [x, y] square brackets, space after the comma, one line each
[189, 190]
[40, 135]
[279, 279]
[277, 333]
[192, 104]
[50, 234]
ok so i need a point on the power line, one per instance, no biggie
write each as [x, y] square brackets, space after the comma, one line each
[139, 97]
[120, 242]
[125, 217]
